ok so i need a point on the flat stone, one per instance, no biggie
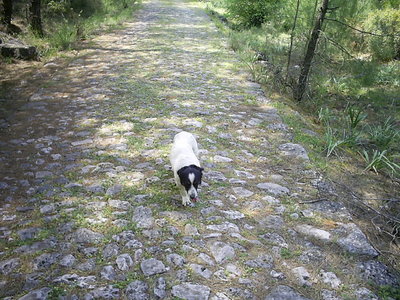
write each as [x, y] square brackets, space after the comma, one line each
[377, 272]
[114, 190]
[143, 217]
[137, 290]
[124, 205]
[274, 239]
[9, 265]
[355, 241]
[302, 276]
[233, 214]
[124, 262]
[88, 265]
[242, 192]
[263, 261]
[294, 150]
[43, 174]
[86, 236]
[47, 209]
[82, 142]
[191, 230]
[316, 233]
[272, 221]
[222, 159]
[273, 188]
[152, 267]
[175, 259]
[221, 251]
[38, 294]
[45, 260]
[225, 227]
[200, 270]
[160, 288]
[330, 278]
[29, 233]
[283, 292]
[35, 247]
[108, 273]
[110, 250]
[215, 176]
[105, 292]
[190, 291]
[67, 261]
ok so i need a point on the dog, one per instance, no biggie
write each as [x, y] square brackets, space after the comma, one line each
[186, 166]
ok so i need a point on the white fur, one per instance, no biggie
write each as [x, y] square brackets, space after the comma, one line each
[184, 152]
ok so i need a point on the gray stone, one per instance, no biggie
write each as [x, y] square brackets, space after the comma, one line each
[47, 209]
[274, 239]
[86, 282]
[45, 260]
[273, 188]
[124, 205]
[294, 150]
[38, 294]
[207, 259]
[82, 142]
[330, 278]
[264, 261]
[29, 233]
[377, 272]
[152, 266]
[238, 293]
[316, 233]
[283, 292]
[114, 190]
[106, 292]
[35, 247]
[67, 261]
[9, 265]
[191, 230]
[221, 251]
[143, 217]
[215, 176]
[225, 227]
[200, 270]
[189, 291]
[67, 279]
[233, 214]
[133, 244]
[124, 262]
[108, 273]
[86, 236]
[242, 192]
[222, 159]
[32, 281]
[365, 294]
[95, 188]
[355, 241]
[43, 174]
[137, 290]
[88, 265]
[274, 222]
[110, 250]
[160, 288]
[302, 276]
[330, 295]
[175, 259]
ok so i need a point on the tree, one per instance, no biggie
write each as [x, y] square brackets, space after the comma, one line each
[35, 17]
[7, 12]
[299, 90]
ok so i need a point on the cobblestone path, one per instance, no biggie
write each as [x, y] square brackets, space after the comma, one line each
[88, 205]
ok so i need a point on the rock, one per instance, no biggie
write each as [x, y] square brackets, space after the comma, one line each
[137, 290]
[95, 188]
[330, 278]
[294, 150]
[200, 270]
[189, 291]
[114, 190]
[124, 262]
[207, 259]
[160, 288]
[152, 266]
[175, 259]
[43, 174]
[329, 295]
[29, 233]
[124, 205]
[274, 239]
[302, 276]
[222, 159]
[377, 272]
[9, 265]
[45, 260]
[242, 192]
[19, 51]
[221, 251]
[133, 244]
[365, 294]
[225, 227]
[273, 188]
[233, 214]
[35, 247]
[191, 230]
[355, 241]
[283, 292]
[110, 250]
[38, 294]
[86, 236]
[67, 261]
[88, 265]
[86, 282]
[108, 273]
[143, 217]
[238, 293]
[214, 176]
[271, 221]
[82, 142]
[316, 233]
[47, 209]
[264, 261]
[106, 292]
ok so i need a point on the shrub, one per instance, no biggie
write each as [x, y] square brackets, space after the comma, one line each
[386, 23]
[251, 12]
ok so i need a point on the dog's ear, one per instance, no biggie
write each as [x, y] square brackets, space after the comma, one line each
[179, 172]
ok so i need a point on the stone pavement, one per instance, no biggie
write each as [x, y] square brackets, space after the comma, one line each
[89, 209]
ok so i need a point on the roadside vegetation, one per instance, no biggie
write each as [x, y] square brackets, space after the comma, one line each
[350, 105]
[63, 23]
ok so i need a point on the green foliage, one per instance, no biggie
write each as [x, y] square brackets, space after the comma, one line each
[378, 160]
[251, 12]
[389, 292]
[382, 136]
[385, 23]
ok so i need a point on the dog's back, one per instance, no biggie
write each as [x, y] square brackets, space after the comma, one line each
[184, 151]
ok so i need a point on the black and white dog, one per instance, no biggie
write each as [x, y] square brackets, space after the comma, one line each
[186, 166]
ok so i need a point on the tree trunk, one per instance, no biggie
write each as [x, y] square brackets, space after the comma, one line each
[291, 39]
[36, 18]
[7, 12]
[299, 90]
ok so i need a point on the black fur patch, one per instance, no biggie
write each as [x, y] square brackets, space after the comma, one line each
[184, 172]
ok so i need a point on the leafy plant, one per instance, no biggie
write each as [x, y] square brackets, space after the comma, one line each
[355, 116]
[378, 160]
[383, 135]
[332, 142]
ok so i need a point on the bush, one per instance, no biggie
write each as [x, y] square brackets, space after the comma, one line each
[384, 22]
[251, 12]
